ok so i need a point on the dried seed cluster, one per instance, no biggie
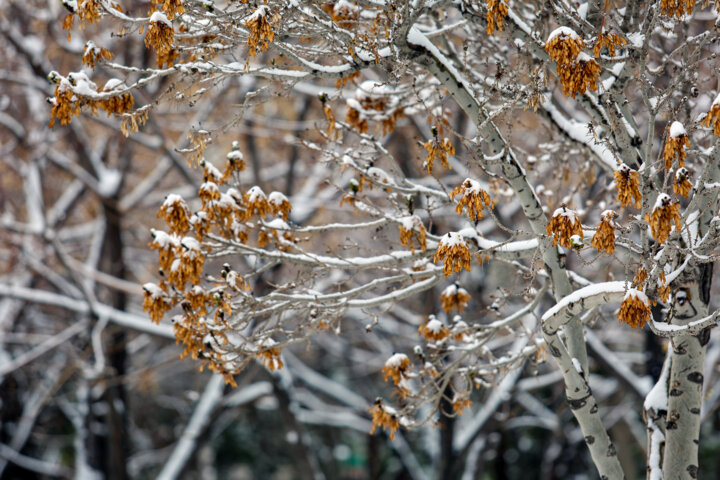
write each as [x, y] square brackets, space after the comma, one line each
[384, 417]
[576, 70]
[677, 8]
[627, 181]
[261, 33]
[411, 227]
[665, 214]
[373, 101]
[77, 92]
[675, 145]
[92, 54]
[438, 149]
[564, 224]
[88, 11]
[474, 199]
[160, 36]
[604, 238]
[453, 251]
[564, 45]
[634, 309]
[609, 41]
[345, 14]
[497, 10]
[579, 76]
[682, 185]
[713, 117]
[171, 8]
[270, 355]
[396, 368]
[433, 330]
[203, 326]
[460, 403]
[454, 297]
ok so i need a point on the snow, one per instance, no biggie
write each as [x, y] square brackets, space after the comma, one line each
[578, 366]
[636, 39]
[267, 342]
[379, 175]
[70, 5]
[585, 292]
[89, 47]
[565, 212]
[260, 12]
[190, 243]
[459, 324]
[233, 192]
[435, 326]
[209, 187]
[656, 440]
[452, 239]
[109, 182]
[624, 168]
[371, 89]
[416, 37]
[609, 216]
[579, 131]
[355, 105]
[226, 201]
[396, 360]
[235, 155]
[212, 169]
[469, 233]
[84, 88]
[450, 290]
[82, 85]
[717, 100]
[113, 84]
[662, 200]
[277, 198]
[163, 239]
[582, 11]
[677, 130]
[172, 199]
[345, 6]
[584, 57]
[493, 158]
[160, 17]
[474, 187]
[564, 31]
[232, 279]
[421, 264]
[154, 291]
[278, 224]
[509, 247]
[576, 241]
[255, 193]
[409, 222]
[657, 399]
[637, 294]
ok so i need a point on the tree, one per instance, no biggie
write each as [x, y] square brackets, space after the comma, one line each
[538, 167]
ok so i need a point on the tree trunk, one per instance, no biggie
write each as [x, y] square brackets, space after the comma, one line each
[682, 436]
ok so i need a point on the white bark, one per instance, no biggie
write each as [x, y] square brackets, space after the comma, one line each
[186, 446]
